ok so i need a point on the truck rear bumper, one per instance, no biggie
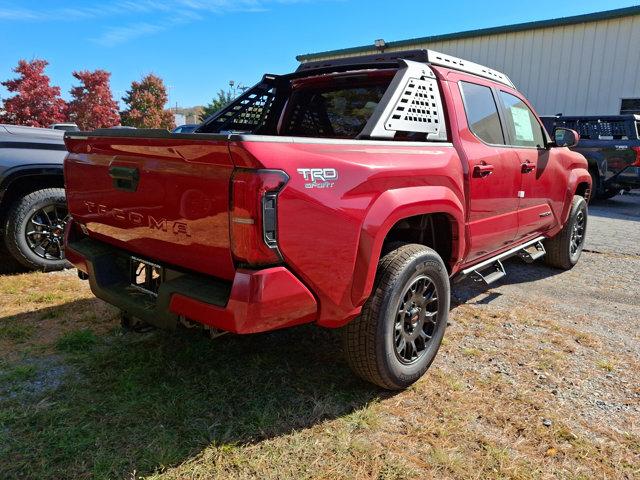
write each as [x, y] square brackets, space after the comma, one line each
[256, 300]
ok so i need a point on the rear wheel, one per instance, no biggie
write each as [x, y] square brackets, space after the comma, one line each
[595, 183]
[34, 230]
[564, 250]
[397, 336]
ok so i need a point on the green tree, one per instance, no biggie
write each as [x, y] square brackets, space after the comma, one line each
[145, 105]
[218, 103]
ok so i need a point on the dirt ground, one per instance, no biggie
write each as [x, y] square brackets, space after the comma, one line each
[538, 377]
[598, 300]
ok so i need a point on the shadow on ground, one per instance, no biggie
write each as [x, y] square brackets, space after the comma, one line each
[8, 265]
[621, 207]
[146, 401]
[470, 291]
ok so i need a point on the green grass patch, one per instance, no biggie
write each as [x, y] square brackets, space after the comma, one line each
[46, 297]
[18, 373]
[77, 341]
[14, 331]
[145, 402]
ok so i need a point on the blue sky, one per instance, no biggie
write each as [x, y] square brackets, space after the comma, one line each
[197, 46]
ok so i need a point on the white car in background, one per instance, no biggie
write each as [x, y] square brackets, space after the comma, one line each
[67, 127]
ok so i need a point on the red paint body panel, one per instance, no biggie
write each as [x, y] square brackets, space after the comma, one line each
[260, 301]
[179, 213]
[330, 239]
[328, 236]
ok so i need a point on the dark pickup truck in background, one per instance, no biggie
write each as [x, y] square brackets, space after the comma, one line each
[611, 145]
[33, 209]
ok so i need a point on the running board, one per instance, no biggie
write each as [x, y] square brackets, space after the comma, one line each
[492, 269]
[490, 273]
[532, 253]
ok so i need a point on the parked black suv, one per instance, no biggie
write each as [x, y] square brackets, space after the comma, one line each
[33, 209]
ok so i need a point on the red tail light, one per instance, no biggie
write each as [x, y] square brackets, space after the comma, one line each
[637, 162]
[254, 201]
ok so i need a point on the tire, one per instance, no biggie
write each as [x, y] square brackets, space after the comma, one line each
[24, 240]
[134, 324]
[372, 342]
[564, 250]
[596, 191]
[8, 264]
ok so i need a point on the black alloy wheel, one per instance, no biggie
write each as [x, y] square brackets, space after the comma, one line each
[416, 319]
[45, 231]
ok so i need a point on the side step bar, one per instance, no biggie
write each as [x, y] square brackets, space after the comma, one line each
[492, 269]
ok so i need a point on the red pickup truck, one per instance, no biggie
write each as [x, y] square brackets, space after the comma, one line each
[347, 194]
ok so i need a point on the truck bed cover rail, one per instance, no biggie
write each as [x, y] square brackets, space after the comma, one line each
[144, 133]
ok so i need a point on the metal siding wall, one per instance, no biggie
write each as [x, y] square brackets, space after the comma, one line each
[582, 69]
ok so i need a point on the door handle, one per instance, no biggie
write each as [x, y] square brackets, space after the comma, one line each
[124, 178]
[528, 167]
[482, 170]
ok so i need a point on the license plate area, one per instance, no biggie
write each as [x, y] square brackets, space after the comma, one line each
[145, 276]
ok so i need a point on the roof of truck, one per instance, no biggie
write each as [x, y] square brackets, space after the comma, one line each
[381, 60]
[20, 133]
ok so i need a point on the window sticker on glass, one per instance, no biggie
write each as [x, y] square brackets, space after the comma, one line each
[522, 123]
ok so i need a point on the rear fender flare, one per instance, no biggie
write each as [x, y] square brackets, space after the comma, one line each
[391, 207]
[14, 174]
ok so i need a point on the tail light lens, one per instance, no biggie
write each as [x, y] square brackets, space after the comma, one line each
[254, 203]
[637, 162]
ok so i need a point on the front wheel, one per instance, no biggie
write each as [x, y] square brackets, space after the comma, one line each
[397, 336]
[564, 250]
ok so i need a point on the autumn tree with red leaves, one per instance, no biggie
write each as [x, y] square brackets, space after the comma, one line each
[145, 105]
[36, 103]
[92, 105]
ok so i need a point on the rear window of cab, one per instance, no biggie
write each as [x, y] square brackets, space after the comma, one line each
[333, 111]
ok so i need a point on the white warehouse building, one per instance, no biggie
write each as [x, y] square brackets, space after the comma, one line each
[582, 65]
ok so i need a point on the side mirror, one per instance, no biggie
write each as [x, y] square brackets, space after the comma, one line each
[565, 137]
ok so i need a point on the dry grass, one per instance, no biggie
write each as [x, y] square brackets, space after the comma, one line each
[37, 309]
[498, 402]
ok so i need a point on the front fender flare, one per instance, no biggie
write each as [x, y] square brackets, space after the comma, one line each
[576, 177]
[391, 207]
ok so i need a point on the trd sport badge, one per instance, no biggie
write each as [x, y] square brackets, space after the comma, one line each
[319, 177]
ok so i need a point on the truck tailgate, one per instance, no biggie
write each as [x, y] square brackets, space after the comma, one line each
[162, 197]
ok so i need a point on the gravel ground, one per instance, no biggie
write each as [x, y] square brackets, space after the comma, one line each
[596, 306]
[615, 225]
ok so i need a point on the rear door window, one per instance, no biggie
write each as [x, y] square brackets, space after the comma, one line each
[482, 113]
[523, 126]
